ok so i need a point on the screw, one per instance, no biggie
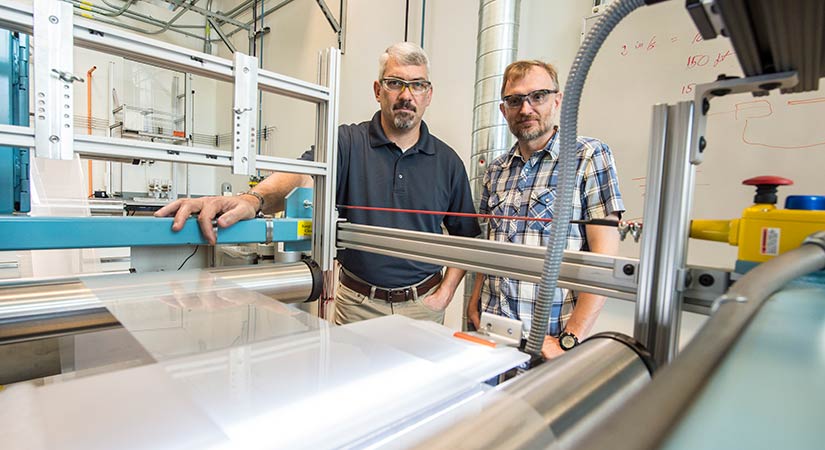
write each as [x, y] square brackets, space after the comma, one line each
[702, 144]
[53, 19]
[628, 269]
[54, 139]
[706, 279]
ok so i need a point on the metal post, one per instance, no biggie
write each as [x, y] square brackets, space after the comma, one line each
[324, 215]
[53, 78]
[663, 257]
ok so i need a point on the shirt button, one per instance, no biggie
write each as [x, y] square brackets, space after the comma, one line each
[400, 176]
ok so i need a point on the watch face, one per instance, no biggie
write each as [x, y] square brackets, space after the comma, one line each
[567, 342]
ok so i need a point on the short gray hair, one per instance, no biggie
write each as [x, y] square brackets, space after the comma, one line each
[407, 54]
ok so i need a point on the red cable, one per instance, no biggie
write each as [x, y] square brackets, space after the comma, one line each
[481, 216]
[444, 213]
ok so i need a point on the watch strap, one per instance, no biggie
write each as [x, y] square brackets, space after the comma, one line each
[258, 196]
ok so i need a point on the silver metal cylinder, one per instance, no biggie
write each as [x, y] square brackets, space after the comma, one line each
[569, 395]
[497, 46]
[498, 23]
[32, 309]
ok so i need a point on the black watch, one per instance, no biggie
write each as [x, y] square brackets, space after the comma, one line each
[568, 340]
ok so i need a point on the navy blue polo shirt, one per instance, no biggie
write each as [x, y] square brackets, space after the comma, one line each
[373, 171]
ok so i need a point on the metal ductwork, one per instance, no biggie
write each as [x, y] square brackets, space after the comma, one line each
[498, 23]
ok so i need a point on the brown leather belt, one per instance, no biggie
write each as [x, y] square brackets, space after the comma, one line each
[391, 295]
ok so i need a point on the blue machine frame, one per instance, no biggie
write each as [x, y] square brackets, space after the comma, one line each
[14, 96]
[41, 233]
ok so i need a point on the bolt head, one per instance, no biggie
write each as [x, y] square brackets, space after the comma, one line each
[628, 269]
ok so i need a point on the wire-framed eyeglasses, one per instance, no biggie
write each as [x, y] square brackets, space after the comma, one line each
[397, 85]
[534, 98]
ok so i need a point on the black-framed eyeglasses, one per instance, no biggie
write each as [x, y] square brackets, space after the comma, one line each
[534, 98]
[398, 85]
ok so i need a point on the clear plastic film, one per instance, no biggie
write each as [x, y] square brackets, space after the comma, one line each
[236, 369]
[58, 188]
[182, 313]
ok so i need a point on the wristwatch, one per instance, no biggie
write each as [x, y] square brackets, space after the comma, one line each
[259, 197]
[568, 340]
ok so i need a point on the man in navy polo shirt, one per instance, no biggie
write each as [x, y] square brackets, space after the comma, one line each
[390, 161]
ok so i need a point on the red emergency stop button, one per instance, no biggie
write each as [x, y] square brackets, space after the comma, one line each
[768, 180]
[766, 188]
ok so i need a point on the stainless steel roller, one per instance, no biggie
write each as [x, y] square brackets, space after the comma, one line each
[33, 309]
[569, 395]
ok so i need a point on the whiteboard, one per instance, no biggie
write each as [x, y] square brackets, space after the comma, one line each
[656, 56]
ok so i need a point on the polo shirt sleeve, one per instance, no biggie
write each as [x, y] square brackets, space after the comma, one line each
[600, 195]
[344, 145]
[461, 200]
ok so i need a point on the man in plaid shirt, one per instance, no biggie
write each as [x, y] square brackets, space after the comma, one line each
[523, 183]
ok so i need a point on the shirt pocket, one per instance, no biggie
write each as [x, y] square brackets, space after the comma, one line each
[496, 207]
[541, 206]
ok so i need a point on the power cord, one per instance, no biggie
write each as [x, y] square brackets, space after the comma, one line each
[189, 257]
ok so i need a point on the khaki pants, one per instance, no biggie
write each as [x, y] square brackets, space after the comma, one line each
[350, 306]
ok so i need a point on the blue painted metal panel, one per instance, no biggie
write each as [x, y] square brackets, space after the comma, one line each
[14, 110]
[38, 233]
[770, 391]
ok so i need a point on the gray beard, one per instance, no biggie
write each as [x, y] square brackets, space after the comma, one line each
[403, 121]
[529, 135]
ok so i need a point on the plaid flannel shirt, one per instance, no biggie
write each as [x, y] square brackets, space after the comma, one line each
[515, 187]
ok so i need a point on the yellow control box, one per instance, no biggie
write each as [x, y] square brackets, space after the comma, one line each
[763, 231]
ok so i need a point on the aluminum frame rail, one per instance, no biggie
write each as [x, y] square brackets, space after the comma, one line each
[53, 136]
[580, 271]
[612, 276]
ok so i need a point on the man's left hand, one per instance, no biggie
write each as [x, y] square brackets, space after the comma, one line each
[551, 348]
[438, 300]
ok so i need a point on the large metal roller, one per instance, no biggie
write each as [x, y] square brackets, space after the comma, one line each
[569, 395]
[48, 308]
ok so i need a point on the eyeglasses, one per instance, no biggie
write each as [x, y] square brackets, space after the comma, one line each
[534, 98]
[396, 85]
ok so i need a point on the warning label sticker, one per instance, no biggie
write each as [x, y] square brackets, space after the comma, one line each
[770, 241]
[305, 228]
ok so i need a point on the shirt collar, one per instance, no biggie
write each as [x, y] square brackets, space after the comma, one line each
[379, 139]
[552, 148]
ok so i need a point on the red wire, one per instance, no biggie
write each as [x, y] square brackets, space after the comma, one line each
[445, 213]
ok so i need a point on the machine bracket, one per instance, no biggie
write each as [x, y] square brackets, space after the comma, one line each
[760, 85]
[53, 79]
[245, 114]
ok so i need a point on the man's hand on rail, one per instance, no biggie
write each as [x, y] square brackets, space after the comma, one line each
[551, 348]
[229, 211]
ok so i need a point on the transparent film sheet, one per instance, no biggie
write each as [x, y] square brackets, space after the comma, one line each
[182, 313]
